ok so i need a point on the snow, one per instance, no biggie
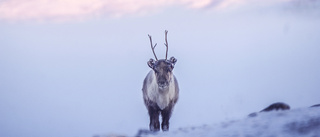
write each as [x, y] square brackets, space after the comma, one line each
[290, 123]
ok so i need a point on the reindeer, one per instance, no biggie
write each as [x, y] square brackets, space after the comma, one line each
[160, 89]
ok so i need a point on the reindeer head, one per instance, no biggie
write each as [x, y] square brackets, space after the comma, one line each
[163, 67]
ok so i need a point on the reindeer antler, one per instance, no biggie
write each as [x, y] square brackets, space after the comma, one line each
[166, 44]
[152, 47]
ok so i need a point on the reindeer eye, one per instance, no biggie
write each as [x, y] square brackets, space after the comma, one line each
[155, 70]
[171, 66]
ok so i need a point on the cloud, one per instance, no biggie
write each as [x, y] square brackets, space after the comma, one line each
[82, 9]
[61, 10]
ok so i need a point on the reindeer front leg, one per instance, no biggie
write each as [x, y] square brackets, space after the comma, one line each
[154, 118]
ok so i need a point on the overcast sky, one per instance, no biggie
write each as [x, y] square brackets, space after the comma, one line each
[62, 10]
[75, 68]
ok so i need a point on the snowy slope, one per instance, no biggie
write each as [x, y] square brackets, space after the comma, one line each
[304, 122]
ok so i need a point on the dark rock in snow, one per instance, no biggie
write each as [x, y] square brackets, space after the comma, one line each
[317, 105]
[276, 106]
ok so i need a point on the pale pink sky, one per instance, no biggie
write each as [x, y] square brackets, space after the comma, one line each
[14, 10]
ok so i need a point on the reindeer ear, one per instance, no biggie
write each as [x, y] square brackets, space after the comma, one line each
[151, 63]
[173, 60]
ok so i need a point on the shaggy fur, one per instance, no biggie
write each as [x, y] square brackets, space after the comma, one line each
[160, 92]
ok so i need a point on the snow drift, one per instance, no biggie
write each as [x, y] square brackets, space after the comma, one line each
[303, 122]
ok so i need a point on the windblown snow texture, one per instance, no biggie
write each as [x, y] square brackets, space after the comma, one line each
[290, 123]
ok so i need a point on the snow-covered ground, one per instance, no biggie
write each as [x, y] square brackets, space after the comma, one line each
[303, 122]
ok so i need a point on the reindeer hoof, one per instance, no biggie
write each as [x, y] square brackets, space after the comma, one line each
[165, 127]
[154, 126]
[154, 129]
